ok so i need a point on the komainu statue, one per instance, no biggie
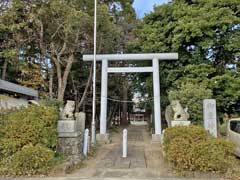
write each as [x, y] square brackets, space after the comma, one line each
[68, 110]
[175, 112]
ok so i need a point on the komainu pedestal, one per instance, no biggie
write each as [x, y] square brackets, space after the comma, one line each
[180, 123]
[70, 137]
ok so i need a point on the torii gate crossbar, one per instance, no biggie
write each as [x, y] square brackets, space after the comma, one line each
[154, 57]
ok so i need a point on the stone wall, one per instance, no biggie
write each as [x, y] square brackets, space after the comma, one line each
[7, 102]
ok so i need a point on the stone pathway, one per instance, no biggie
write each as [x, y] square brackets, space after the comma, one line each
[136, 154]
[144, 159]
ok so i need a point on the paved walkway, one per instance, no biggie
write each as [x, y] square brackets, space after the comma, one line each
[144, 159]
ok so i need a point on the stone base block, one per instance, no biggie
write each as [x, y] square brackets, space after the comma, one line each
[66, 126]
[70, 146]
[180, 123]
[156, 138]
[103, 138]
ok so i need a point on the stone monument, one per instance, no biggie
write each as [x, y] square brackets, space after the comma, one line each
[210, 116]
[176, 115]
[70, 137]
[80, 118]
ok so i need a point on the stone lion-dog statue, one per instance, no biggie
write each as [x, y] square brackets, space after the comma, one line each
[175, 112]
[68, 110]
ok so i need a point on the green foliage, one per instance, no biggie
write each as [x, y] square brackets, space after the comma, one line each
[226, 91]
[205, 33]
[31, 76]
[196, 74]
[28, 130]
[43, 38]
[28, 161]
[192, 95]
[191, 28]
[198, 82]
[189, 148]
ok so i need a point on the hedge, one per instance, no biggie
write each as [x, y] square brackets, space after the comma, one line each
[192, 149]
[28, 161]
[28, 140]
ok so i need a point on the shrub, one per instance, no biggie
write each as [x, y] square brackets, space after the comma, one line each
[190, 134]
[214, 155]
[34, 125]
[28, 133]
[190, 148]
[28, 161]
[223, 129]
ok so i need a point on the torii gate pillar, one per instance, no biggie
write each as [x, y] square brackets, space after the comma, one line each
[104, 136]
[156, 93]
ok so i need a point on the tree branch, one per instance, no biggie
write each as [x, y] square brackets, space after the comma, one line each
[62, 50]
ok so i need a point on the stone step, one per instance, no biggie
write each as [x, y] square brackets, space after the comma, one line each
[147, 173]
[139, 174]
[80, 178]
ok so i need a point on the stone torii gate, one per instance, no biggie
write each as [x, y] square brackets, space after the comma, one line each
[154, 57]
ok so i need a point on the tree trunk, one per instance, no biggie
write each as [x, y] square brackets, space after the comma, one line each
[60, 86]
[4, 72]
[62, 81]
[86, 89]
[51, 83]
[60, 90]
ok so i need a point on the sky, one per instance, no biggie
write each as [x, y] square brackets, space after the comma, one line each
[146, 6]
